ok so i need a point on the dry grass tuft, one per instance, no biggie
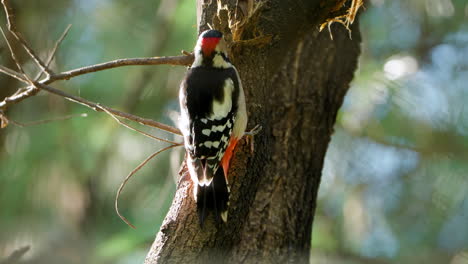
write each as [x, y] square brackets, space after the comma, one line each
[347, 19]
[241, 21]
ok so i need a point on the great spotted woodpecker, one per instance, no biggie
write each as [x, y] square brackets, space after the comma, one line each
[213, 119]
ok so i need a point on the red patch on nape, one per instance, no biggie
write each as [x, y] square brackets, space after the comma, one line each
[208, 45]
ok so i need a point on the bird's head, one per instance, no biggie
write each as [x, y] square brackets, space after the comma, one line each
[211, 48]
[209, 42]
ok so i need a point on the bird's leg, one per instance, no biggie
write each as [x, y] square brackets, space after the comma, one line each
[249, 136]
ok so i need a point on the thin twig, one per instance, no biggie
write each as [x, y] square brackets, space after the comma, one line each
[98, 108]
[122, 185]
[14, 31]
[9, 14]
[13, 74]
[54, 50]
[18, 97]
[45, 121]
[173, 60]
[32, 91]
[35, 86]
[27, 93]
[135, 129]
[183, 60]
[13, 54]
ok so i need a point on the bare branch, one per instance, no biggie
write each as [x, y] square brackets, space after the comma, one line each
[32, 90]
[12, 53]
[45, 121]
[13, 74]
[98, 108]
[9, 15]
[134, 129]
[122, 185]
[172, 60]
[183, 60]
[186, 53]
[35, 86]
[19, 96]
[14, 31]
[54, 50]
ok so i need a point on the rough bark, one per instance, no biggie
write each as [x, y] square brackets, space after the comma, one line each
[294, 87]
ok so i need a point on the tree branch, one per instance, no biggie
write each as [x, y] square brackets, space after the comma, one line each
[137, 130]
[124, 182]
[12, 53]
[14, 31]
[13, 74]
[36, 86]
[45, 121]
[30, 91]
[183, 60]
[54, 50]
[99, 108]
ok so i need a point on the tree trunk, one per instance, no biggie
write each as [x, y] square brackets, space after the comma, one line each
[295, 79]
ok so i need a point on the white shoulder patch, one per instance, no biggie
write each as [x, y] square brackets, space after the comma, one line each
[220, 62]
[221, 109]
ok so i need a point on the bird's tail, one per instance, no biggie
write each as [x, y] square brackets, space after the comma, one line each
[213, 197]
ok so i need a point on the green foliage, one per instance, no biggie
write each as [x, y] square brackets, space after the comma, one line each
[394, 184]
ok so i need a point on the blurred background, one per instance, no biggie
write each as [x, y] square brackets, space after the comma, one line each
[395, 183]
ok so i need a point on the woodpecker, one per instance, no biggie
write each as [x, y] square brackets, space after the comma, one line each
[213, 119]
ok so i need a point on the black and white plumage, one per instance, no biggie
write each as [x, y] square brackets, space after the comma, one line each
[213, 119]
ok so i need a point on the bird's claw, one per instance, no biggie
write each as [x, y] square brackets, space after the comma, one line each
[249, 137]
[254, 131]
